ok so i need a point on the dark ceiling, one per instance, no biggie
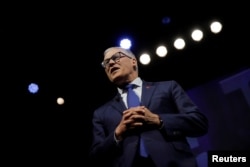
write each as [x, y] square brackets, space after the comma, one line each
[61, 47]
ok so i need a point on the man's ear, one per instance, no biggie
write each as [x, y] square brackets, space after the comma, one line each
[135, 64]
[134, 61]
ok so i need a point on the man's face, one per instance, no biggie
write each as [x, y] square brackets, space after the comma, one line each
[119, 67]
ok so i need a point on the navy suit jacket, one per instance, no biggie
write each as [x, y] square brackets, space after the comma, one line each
[167, 146]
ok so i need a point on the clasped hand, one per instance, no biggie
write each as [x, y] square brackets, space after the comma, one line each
[136, 117]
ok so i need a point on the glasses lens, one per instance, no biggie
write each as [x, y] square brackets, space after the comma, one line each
[105, 63]
[115, 58]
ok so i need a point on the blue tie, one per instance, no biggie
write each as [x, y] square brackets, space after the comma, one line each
[133, 101]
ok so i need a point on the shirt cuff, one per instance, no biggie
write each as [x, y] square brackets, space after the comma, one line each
[116, 140]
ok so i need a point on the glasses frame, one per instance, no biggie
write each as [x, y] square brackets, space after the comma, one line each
[115, 57]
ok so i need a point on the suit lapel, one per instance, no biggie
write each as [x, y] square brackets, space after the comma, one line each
[147, 91]
[118, 104]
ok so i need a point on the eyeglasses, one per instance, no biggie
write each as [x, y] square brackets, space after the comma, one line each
[116, 58]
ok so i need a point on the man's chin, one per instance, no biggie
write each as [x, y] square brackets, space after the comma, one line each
[114, 75]
[117, 79]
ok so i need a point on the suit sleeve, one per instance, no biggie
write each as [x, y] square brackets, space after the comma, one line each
[188, 121]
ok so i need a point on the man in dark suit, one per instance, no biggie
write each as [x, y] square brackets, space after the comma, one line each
[163, 120]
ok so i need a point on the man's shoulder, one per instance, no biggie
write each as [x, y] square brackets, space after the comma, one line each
[159, 82]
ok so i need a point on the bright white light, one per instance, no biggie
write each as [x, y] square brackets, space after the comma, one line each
[161, 51]
[60, 101]
[215, 27]
[33, 88]
[197, 35]
[125, 43]
[179, 43]
[145, 58]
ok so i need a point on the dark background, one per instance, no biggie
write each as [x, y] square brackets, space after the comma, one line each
[60, 47]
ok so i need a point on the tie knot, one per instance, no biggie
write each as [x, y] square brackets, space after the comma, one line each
[129, 86]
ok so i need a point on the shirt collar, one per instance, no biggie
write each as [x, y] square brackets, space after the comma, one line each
[137, 82]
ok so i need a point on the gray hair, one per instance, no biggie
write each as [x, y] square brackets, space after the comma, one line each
[113, 50]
